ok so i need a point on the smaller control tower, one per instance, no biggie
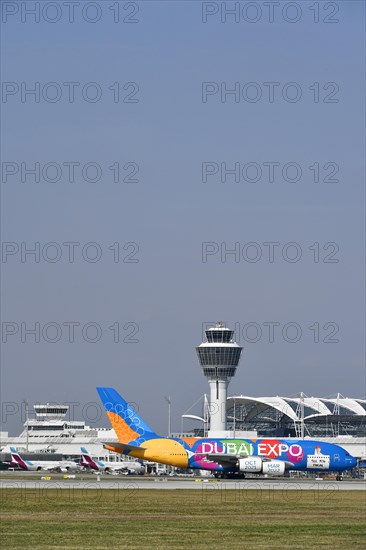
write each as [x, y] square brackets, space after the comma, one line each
[219, 358]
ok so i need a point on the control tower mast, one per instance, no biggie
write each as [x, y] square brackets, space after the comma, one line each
[219, 358]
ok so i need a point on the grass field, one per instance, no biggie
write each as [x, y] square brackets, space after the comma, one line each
[209, 518]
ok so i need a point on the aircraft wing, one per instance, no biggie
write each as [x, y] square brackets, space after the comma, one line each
[225, 460]
[122, 446]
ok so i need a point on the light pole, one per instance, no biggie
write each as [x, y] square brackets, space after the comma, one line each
[302, 415]
[169, 401]
[26, 424]
[234, 417]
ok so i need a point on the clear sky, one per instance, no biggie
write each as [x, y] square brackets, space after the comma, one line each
[150, 97]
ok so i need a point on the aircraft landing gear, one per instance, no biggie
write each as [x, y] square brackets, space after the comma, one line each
[230, 475]
[339, 477]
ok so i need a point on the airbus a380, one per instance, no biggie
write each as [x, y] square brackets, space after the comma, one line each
[110, 467]
[37, 465]
[223, 457]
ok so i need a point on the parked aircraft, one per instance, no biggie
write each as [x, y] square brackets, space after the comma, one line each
[224, 457]
[127, 466]
[37, 465]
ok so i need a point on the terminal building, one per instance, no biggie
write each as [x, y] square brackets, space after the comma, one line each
[298, 416]
[338, 419]
[51, 432]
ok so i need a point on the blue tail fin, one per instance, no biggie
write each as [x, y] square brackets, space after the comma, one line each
[128, 425]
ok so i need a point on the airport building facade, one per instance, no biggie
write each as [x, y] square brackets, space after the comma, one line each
[338, 419]
[298, 416]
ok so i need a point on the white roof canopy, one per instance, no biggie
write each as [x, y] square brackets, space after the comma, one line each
[291, 406]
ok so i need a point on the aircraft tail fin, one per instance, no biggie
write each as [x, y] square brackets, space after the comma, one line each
[128, 425]
[87, 459]
[16, 458]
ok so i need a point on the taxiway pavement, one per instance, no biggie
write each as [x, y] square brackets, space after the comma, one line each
[133, 484]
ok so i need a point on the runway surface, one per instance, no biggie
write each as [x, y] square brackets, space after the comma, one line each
[134, 484]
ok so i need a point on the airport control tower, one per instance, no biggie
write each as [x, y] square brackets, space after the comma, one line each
[218, 357]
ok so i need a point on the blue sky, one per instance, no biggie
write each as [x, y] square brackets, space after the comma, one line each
[170, 212]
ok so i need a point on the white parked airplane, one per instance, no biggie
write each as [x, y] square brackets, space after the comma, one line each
[37, 465]
[127, 466]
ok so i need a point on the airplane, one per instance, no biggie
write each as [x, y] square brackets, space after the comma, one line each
[110, 467]
[225, 458]
[37, 465]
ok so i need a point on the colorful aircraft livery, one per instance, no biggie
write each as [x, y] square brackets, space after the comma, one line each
[221, 456]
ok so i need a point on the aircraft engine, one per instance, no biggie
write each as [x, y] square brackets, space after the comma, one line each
[250, 464]
[256, 465]
[274, 468]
